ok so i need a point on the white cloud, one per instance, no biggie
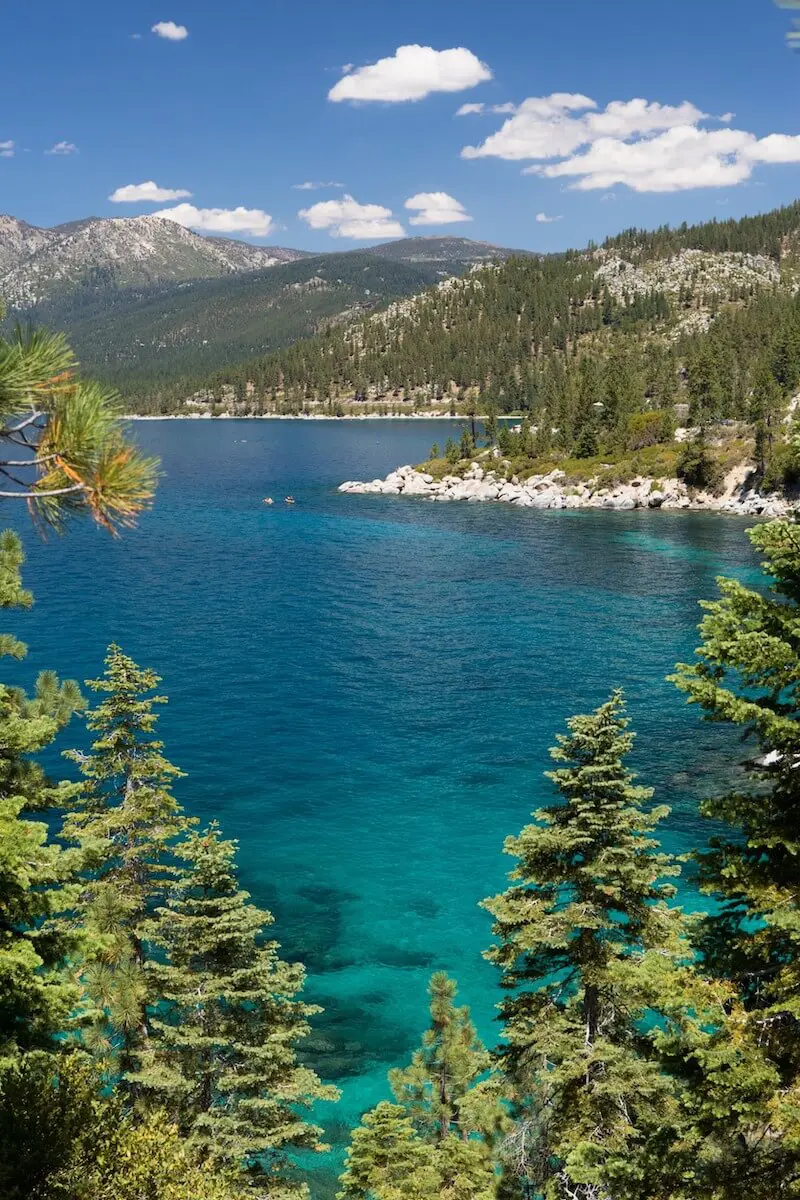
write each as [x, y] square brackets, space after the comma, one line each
[348, 219]
[220, 220]
[436, 208]
[148, 192]
[63, 148]
[775, 148]
[542, 127]
[170, 31]
[543, 219]
[645, 145]
[412, 73]
[676, 160]
[314, 186]
[551, 126]
[7, 149]
[468, 110]
[624, 118]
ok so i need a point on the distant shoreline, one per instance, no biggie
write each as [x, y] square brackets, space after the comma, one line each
[300, 417]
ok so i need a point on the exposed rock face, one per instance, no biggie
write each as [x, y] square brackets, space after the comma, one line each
[551, 492]
[39, 264]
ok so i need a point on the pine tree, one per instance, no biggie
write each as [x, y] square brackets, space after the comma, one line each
[585, 902]
[439, 1138]
[436, 1087]
[67, 453]
[63, 1137]
[229, 1021]
[123, 823]
[766, 402]
[388, 1160]
[748, 676]
[35, 990]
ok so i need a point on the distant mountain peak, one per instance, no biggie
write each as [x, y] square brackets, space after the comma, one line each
[435, 248]
[97, 253]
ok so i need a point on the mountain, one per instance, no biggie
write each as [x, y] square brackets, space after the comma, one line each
[133, 336]
[20, 241]
[582, 342]
[453, 254]
[97, 255]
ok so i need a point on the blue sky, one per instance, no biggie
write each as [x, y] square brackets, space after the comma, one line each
[237, 113]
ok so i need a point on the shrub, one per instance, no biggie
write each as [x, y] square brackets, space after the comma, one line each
[697, 466]
[649, 429]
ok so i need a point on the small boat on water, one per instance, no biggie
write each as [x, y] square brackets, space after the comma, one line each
[289, 500]
[268, 500]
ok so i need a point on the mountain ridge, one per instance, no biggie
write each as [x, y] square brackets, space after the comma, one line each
[97, 254]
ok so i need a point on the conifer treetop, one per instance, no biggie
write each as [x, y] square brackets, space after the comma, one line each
[64, 451]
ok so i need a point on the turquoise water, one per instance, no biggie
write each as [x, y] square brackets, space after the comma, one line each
[363, 690]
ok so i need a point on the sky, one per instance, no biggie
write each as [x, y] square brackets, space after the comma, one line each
[330, 126]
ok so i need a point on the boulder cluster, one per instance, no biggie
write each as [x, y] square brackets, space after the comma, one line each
[552, 491]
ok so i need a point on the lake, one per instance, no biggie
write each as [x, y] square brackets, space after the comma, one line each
[363, 690]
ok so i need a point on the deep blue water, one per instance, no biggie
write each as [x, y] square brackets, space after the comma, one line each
[363, 689]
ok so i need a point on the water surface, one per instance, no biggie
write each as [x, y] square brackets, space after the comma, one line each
[363, 690]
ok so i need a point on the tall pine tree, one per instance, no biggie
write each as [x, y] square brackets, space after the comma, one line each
[586, 900]
[747, 675]
[229, 1021]
[35, 990]
[124, 823]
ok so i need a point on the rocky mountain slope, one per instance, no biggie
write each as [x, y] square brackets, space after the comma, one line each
[100, 254]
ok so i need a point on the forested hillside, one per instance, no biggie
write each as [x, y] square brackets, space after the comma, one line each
[581, 343]
[146, 337]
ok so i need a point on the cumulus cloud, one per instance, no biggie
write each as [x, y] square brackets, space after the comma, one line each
[7, 149]
[346, 218]
[543, 219]
[412, 73]
[314, 186]
[436, 208]
[63, 148]
[148, 192]
[542, 127]
[676, 160]
[551, 126]
[645, 145]
[468, 110]
[170, 31]
[220, 220]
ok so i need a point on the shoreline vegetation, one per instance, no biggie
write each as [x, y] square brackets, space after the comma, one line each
[276, 416]
[556, 491]
[704, 468]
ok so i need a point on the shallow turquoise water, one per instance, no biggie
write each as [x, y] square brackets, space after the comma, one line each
[363, 690]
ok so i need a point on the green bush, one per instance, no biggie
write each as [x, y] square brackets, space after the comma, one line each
[697, 466]
[649, 429]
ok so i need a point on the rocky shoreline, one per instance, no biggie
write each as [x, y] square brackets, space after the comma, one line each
[552, 491]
